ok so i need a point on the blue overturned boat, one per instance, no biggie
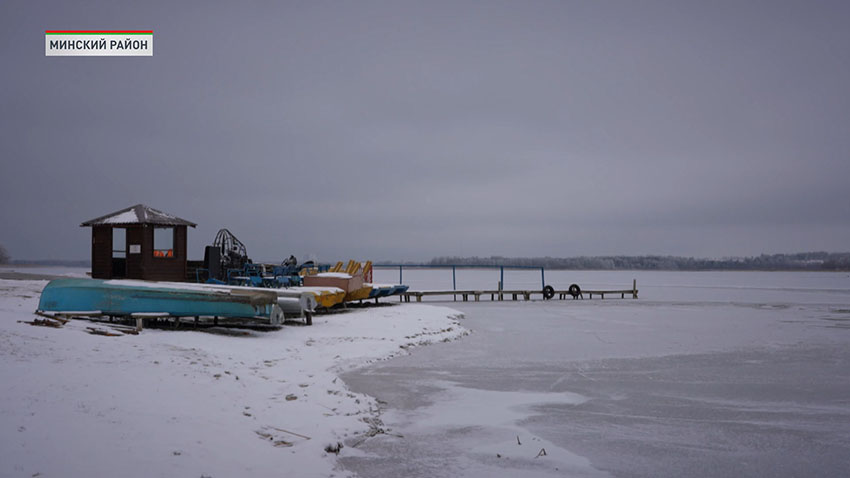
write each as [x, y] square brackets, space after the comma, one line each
[139, 298]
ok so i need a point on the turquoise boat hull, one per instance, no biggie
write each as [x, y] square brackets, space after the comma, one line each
[113, 298]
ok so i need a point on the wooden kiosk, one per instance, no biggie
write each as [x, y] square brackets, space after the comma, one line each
[139, 242]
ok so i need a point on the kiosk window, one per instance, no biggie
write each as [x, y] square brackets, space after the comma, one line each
[163, 242]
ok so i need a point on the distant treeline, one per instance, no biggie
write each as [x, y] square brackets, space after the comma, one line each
[51, 262]
[803, 261]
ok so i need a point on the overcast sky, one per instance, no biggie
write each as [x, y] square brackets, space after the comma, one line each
[407, 130]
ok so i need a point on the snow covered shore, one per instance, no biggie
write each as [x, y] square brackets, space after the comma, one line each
[190, 403]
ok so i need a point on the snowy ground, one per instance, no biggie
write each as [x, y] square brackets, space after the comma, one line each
[707, 374]
[190, 403]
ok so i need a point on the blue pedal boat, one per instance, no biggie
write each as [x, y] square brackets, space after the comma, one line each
[380, 290]
[126, 298]
[399, 289]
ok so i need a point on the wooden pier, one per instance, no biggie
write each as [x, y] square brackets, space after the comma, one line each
[499, 295]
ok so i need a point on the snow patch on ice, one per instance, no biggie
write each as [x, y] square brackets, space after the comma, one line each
[494, 439]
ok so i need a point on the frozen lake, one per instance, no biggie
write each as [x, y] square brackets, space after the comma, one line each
[707, 374]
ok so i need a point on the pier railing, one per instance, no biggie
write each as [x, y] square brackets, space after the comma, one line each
[455, 267]
[496, 295]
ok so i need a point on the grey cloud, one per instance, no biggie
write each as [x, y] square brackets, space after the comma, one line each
[395, 130]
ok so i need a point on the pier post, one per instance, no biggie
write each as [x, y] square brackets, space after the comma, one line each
[454, 282]
[501, 277]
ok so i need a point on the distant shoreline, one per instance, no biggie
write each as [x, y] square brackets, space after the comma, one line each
[12, 275]
[801, 261]
[47, 263]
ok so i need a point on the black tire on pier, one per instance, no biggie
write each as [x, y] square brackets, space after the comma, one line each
[548, 292]
[575, 290]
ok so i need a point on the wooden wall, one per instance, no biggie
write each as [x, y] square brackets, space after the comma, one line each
[135, 235]
[142, 265]
[163, 268]
[101, 252]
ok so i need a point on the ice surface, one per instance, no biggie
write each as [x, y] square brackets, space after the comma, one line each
[707, 374]
[710, 286]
